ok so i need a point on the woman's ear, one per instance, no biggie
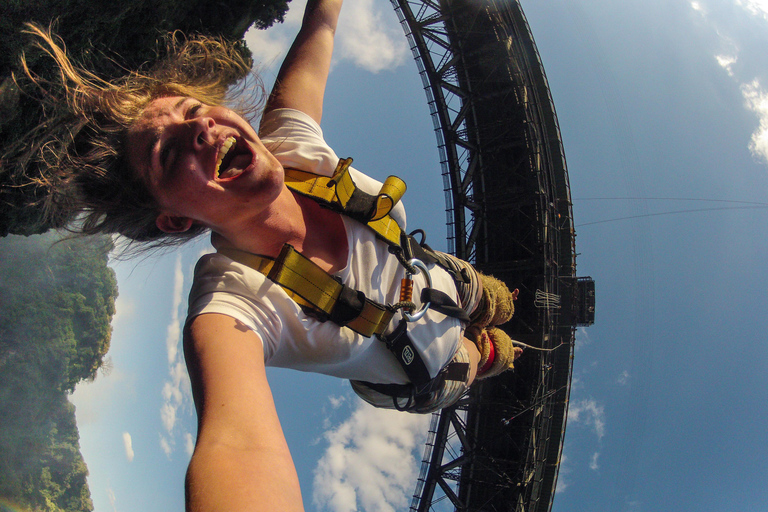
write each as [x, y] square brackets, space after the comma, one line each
[168, 223]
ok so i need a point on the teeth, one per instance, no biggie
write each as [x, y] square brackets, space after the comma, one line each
[228, 144]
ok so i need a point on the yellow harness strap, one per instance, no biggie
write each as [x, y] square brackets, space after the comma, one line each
[340, 193]
[309, 285]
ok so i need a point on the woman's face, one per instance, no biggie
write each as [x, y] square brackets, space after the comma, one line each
[202, 164]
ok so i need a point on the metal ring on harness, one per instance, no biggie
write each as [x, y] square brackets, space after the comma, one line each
[417, 263]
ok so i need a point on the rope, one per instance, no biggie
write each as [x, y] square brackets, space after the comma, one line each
[521, 344]
[404, 304]
[546, 300]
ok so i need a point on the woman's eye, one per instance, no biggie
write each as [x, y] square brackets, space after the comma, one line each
[166, 154]
[193, 110]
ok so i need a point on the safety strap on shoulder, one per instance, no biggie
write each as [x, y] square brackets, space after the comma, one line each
[340, 193]
[313, 288]
[324, 296]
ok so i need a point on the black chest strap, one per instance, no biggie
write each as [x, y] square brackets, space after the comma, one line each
[421, 386]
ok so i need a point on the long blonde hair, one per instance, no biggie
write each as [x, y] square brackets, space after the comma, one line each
[77, 156]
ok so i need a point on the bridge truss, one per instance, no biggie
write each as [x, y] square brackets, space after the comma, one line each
[509, 211]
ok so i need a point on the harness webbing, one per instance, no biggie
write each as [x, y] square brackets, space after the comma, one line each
[340, 194]
[313, 288]
[322, 294]
[326, 298]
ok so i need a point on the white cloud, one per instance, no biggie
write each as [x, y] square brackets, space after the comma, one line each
[125, 310]
[176, 395]
[372, 461]
[370, 36]
[726, 62]
[176, 390]
[562, 482]
[189, 443]
[168, 414]
[593, 461]
[165, 445]
[623, 378]
[731, 41]
[337, 401]
[128, 445]
[268, 48]
[756, 99]
[589, 413]
[728, 55]
[112, 498]
[172, 340]
[755, 7]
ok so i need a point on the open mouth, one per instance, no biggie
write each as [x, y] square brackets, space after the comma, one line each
[233, 159]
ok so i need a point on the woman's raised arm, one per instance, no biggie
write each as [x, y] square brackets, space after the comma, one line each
[301, 81]
[241, 461]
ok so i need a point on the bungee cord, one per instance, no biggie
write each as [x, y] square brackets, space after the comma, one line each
[540, 349]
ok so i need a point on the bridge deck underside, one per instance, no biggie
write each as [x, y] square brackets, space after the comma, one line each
[512, 192]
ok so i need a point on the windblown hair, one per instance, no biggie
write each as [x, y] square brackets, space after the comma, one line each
[79, 151]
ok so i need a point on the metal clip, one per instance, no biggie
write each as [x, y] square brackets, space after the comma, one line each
[419, 265]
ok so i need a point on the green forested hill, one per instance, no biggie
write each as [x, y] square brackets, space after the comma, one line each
[56, 305]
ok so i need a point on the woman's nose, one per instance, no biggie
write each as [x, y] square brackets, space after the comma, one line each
[202, 132]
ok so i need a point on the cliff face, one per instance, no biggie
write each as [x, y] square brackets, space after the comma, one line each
[57, 300]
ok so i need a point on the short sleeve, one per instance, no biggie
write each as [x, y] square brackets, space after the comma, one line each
[297, 142]
[223, 286]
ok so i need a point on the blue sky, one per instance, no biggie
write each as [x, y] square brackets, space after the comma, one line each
[662, 104]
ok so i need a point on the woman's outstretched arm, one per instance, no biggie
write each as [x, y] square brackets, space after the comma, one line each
[241, 460]
[301, 81]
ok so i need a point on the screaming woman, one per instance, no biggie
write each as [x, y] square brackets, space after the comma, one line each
[313, 269]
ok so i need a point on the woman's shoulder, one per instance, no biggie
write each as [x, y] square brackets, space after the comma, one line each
[216, 273]
[297, 142]
[283, 121]
[222, 285]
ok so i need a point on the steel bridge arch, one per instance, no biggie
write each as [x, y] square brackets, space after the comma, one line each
[508, 208]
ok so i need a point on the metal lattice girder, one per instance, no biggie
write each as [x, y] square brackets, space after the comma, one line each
[425, 26]
[508, 210]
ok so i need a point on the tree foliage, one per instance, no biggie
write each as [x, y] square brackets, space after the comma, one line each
[56, 305]
[110, 37]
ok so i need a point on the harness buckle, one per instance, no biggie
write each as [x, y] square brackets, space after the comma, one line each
[418, 265]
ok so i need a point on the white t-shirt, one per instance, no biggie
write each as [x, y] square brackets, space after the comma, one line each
[290, 338]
